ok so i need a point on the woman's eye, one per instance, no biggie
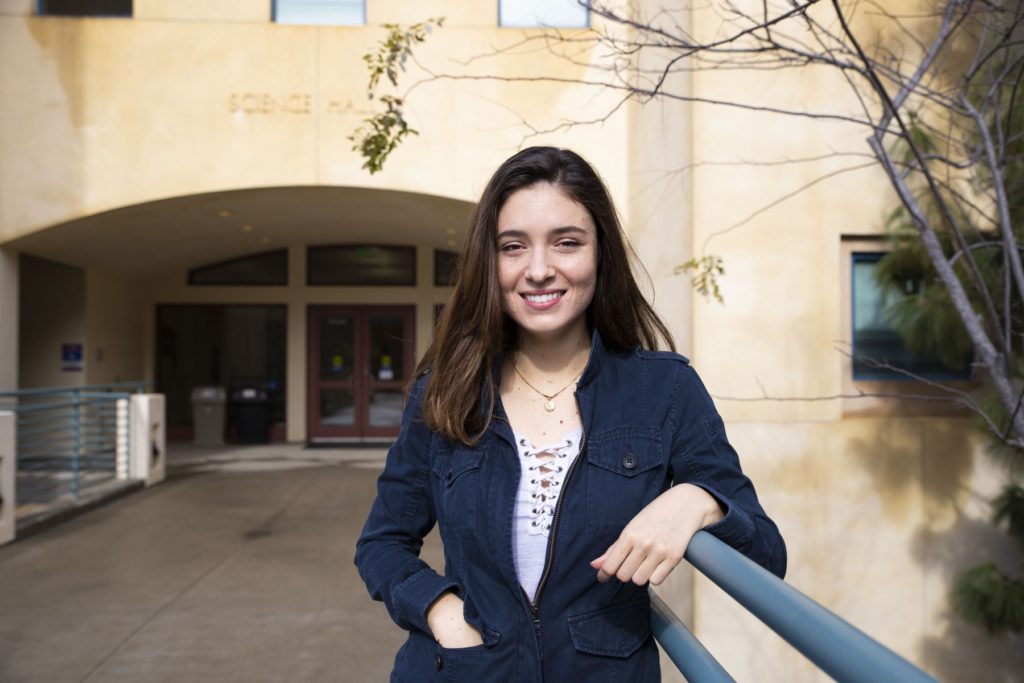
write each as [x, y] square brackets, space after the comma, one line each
[568, 243]
[510, 247]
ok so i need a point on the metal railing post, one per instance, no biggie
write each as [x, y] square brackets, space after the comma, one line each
[76, 439]
[121, 439]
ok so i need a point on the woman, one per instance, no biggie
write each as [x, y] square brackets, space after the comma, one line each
[566, 461]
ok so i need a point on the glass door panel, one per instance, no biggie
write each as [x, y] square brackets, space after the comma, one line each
[386, 407]
[389, 340]
[337, 408]
[387, 348]
[337, 348]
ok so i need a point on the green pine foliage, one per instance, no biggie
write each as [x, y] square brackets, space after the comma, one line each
[985, 595]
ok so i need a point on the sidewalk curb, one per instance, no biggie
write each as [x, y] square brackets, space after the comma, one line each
[37, 522]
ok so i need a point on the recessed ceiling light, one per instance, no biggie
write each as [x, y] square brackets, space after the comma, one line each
[265, 240]
[450, 231]
[224, 213]
[246, 228]
[451, 243]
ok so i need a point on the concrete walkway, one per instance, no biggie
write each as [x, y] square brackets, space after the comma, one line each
[238, 568]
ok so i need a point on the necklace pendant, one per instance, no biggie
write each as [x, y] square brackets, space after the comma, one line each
[549, 405]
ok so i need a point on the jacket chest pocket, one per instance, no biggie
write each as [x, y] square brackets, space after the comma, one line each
[623, 467]
[456, 485]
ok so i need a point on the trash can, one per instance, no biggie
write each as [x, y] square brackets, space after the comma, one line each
[208, 415]
[251, 408]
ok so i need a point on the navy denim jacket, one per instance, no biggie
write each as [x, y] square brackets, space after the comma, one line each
[648, 423]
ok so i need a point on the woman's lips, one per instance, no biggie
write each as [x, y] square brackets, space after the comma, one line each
[540, 301]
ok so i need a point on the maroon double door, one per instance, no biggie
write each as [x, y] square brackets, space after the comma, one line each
[361, 358]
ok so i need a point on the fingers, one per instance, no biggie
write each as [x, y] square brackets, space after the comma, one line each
[664, 568]
[636, 560]
[612, 560]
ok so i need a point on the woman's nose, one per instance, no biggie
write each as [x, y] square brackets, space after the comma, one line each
[539, 268]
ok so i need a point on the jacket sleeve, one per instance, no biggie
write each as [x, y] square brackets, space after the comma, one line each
[387, 552]
[701, 450]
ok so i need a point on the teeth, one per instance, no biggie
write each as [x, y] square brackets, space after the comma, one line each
[542, 298]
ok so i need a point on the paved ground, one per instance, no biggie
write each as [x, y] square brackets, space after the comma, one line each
[238, 568]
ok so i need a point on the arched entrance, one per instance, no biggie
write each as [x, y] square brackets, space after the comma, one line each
[250, 288]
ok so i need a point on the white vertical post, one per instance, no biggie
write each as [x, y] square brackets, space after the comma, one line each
[148, 438]
[8, 472]
[121, 436]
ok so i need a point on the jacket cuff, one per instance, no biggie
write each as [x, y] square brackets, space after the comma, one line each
[736, 528]
[415, 594]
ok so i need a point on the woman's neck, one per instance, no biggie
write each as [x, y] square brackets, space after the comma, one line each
[566, 352]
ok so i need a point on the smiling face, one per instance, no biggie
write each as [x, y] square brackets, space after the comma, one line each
[547, 261]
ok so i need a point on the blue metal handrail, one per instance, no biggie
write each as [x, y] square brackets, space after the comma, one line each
[67, 439]
[686, 652]
[136, 387]
[839, 649]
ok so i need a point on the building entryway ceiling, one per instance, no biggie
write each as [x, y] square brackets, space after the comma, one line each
[185, 232]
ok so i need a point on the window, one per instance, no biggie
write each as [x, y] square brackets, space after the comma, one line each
[268, 268]
[445, 263]
[361, 265]
[322, 12]
[86, 8]
[544, 13]
[875, 341]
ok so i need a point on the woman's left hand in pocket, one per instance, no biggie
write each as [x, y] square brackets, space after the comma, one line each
[654, 541]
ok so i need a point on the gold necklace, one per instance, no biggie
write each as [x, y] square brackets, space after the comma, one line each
[549, 405]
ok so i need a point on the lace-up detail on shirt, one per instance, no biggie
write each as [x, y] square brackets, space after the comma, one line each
[540, 485]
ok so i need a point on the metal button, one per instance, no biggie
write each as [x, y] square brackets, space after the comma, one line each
[629, 461]
[438, 662]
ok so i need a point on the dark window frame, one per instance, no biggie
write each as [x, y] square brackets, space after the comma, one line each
[237, 283]
[43, 11]
[411, 281]
[883, 374]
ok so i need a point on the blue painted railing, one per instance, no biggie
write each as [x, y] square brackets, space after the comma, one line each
[69, 439]
[836, 647]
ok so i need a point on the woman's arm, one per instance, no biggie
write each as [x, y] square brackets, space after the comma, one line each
[710, 492]
[653, 542]
[387, 552]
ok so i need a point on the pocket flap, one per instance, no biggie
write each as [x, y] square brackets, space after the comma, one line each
[617, 631]
[449, 466]
[628, 454]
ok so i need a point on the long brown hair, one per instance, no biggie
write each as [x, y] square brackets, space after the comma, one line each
[474, 331]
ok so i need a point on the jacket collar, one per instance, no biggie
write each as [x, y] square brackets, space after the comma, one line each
[597, 353]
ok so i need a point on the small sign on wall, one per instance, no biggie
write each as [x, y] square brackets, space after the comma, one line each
[71, 357]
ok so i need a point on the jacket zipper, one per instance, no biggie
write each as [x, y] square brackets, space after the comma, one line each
[550, 553]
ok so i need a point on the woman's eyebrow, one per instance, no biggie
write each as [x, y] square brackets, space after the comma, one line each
[521, 234]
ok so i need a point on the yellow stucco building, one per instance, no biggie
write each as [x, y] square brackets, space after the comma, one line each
[180, 201]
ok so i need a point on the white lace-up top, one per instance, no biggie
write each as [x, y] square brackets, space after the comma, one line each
[543, 472]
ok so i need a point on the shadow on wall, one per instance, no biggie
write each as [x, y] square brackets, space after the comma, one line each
[958, 651]
[936, 475]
